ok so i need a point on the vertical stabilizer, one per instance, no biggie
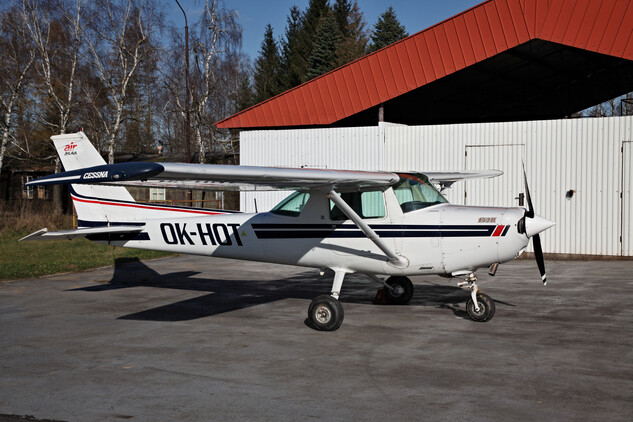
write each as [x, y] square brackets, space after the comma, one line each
[91, 201]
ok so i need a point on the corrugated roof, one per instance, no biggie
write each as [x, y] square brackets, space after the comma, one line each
[475, 35]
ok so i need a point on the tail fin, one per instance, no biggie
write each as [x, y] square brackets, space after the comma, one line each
[93, 203]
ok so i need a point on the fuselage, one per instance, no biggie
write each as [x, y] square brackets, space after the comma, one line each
[441, 239]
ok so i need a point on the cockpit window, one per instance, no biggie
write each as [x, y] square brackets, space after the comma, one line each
[292, 205]
[414, 192]
[370, 204]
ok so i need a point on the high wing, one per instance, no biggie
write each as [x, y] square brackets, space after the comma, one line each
[446, 178]
[228, 177]
[222, 177]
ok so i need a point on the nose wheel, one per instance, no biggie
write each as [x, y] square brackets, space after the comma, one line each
[480, 307]
[485, 309]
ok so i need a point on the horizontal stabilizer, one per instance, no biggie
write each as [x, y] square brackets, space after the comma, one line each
[44, 234]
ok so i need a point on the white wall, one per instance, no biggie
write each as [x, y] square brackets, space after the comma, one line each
[591, 156]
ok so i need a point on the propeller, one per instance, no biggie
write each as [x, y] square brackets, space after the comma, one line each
[533, 227]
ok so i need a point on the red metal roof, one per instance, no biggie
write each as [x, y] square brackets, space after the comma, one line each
[479, 33]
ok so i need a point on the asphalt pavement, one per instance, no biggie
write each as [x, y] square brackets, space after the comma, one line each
[204, 339]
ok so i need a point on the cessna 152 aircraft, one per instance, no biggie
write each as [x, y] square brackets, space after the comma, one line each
[374, 223]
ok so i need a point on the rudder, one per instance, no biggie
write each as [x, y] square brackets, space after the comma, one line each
[91, 201]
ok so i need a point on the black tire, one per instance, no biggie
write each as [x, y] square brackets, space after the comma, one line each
[325, 313]
[486, 308]
[402, 290]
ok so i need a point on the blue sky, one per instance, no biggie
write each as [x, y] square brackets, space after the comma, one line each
[254, 15]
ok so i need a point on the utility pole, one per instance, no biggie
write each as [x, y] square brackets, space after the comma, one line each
[187, 98]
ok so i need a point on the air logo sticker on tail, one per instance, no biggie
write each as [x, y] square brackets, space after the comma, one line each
[209, 234]
[70, 149]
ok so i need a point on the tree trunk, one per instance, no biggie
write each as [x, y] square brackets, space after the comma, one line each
[5, 138]
[201, 154]
[57, 190]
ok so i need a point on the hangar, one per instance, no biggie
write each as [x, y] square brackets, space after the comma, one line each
[488, 88]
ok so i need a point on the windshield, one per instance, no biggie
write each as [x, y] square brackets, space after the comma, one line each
[414, 192]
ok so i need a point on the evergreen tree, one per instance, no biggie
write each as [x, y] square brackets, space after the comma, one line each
[267, 68]
[244, 96]
[326, 42]
[305, 31]
[386, 31]
[292, 63]
[317, 9]
[354, 41]
[342, 10]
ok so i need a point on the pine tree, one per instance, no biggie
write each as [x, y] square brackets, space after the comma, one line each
[326, 42]
[342, 9]
[317, 10]
[292, 63]
[354, 42]
[300, 60]
[244, 93]
[386, 31]
[267, 68]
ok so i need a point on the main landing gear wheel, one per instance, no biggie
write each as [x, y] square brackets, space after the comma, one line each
[486, 308]
[325, 313]
[401, 290]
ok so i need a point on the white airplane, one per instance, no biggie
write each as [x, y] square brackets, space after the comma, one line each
[375, 223]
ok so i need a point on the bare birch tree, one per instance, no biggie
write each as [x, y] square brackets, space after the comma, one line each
[17, 60]
[115, 40]
[57, 62]
[216, 37]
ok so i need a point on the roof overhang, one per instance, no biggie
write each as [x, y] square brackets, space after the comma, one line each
[501, 60]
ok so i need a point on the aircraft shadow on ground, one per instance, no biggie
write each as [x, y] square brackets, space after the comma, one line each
[231, 295]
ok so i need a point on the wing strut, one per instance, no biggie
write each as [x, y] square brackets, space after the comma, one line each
[394, 259]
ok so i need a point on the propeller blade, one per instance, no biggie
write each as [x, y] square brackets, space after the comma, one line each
[538, 224]
[530, 212]
[538, 254]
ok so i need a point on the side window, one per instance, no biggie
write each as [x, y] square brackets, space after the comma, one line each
[373, 204]
[365, 204]
[292, 205]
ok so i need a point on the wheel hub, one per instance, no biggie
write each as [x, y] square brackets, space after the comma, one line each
[481, 310]
[323, 314]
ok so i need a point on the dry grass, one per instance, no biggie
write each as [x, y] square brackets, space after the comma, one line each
[36, 259]
[30, 216]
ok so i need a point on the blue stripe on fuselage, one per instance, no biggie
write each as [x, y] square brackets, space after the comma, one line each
[315, 231]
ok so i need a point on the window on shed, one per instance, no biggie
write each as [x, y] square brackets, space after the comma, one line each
[27, 191]
[156, 194]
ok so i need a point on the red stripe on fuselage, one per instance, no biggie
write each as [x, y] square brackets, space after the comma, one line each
[146, 207]
[498, 231]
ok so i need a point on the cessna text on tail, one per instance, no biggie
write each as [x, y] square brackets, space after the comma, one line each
[388, 226]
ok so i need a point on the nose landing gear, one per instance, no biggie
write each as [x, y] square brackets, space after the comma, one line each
[480, 307]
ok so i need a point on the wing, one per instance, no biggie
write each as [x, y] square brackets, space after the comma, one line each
[222, 177]
[446, 178]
